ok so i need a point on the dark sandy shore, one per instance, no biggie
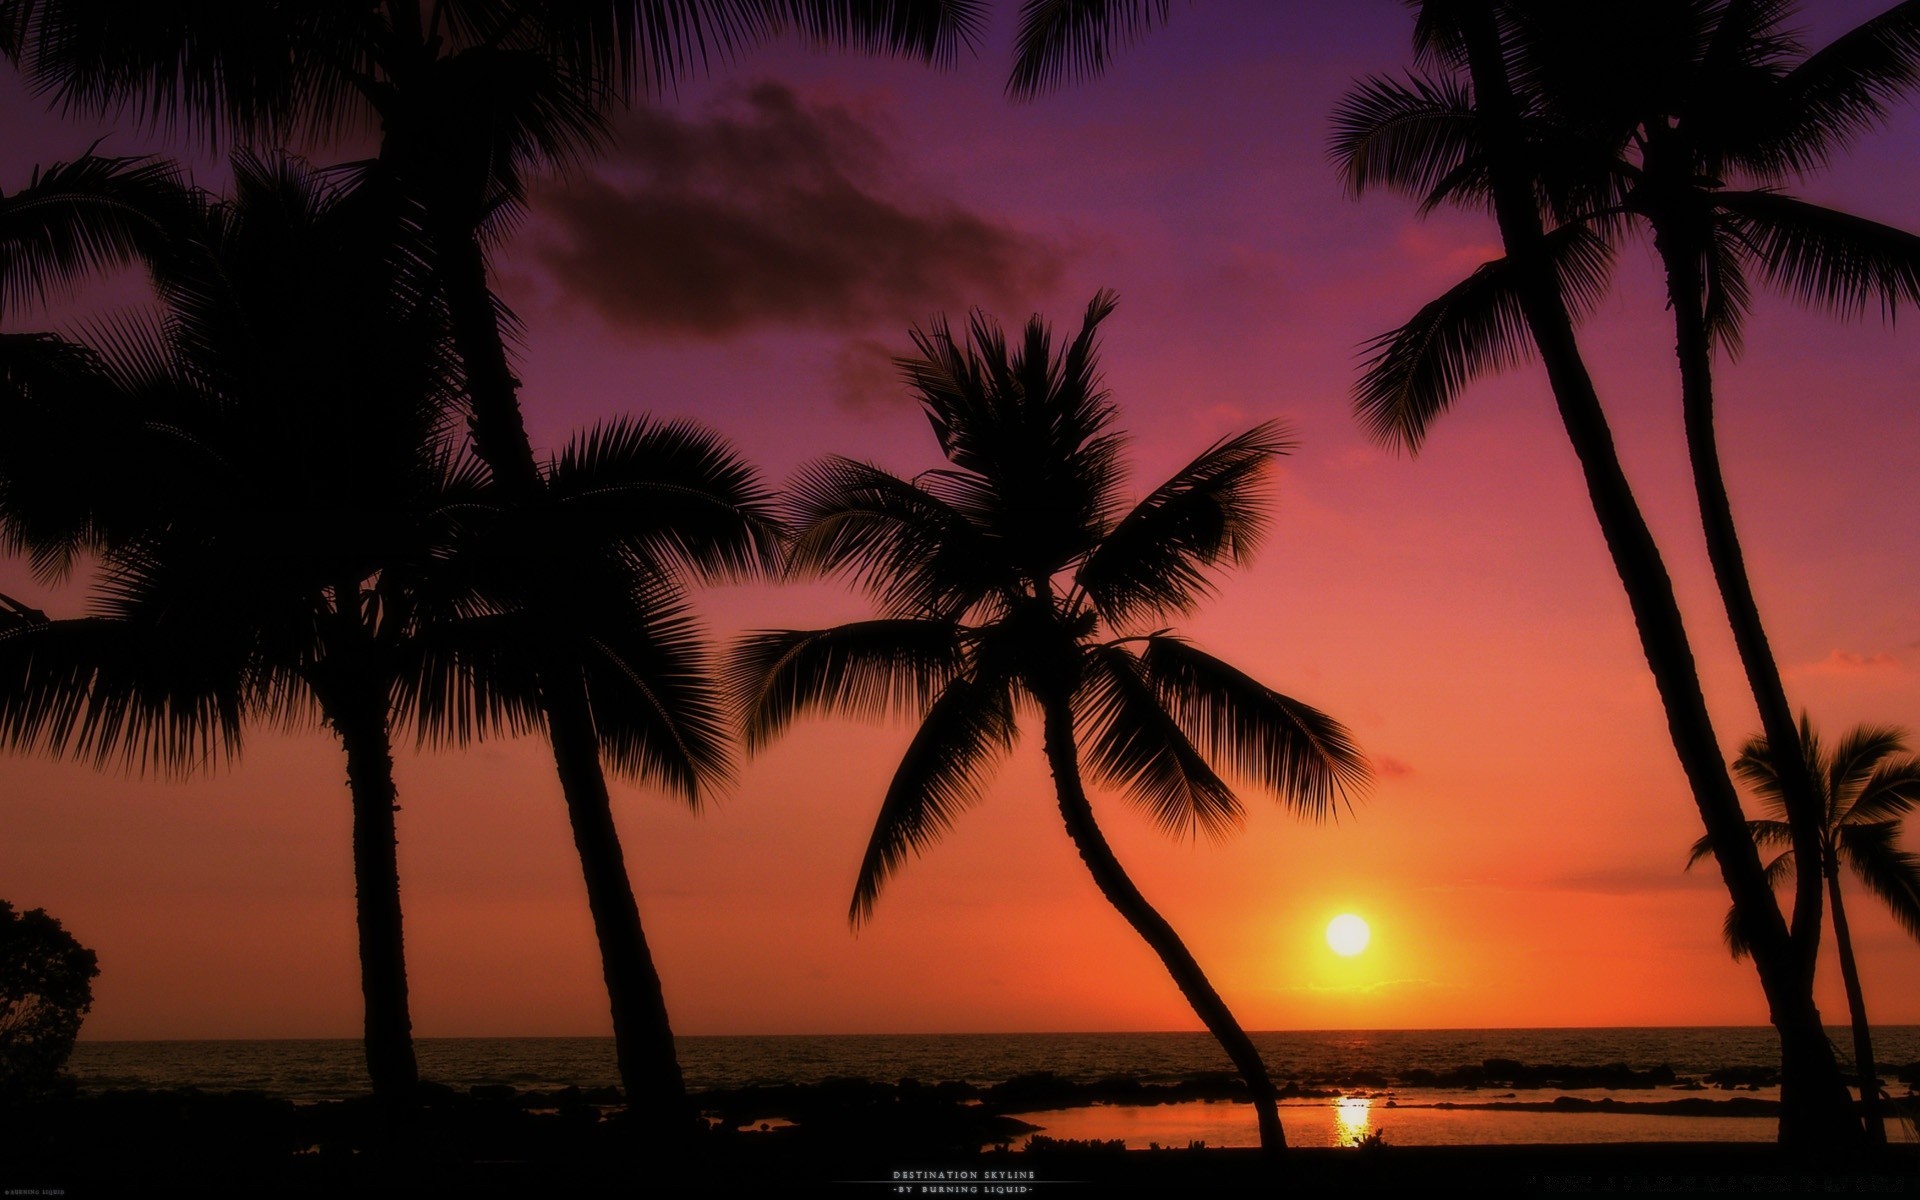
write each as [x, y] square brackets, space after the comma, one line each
[876, 1140]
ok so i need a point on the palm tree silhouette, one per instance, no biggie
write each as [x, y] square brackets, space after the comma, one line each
[1471, 136]
[263, 480]
[1678, 104]
[1006, 578]
[469, 97]
[587, 582]
[1868, 785]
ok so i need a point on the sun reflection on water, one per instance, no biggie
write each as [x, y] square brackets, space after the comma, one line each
[1352, 1119]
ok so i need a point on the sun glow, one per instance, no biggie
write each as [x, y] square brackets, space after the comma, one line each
[1348, 935]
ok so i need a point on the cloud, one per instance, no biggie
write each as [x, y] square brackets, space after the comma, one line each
[862, 375]
[1368, 989]
[1388, 767]
[1845, 662]
[1634, 881]
[770, 209]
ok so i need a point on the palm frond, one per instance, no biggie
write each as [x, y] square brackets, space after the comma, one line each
[1846, 88]
[1728, 298]
[117, 693]
[1036, 462]
[1155, 560]
[670, 493]
[1860, 752]
[1306, 758]
[933, 31]
[1066, 41]
[657, 706]
[1873, 851]
[969, 727]
[1890, 793]
[236, 63]
[1409, 136]
[865, 669]
[1130, 741]
[912, 550]
[81, 217]
[1823, 257]
[1478, 327]
[462, 678]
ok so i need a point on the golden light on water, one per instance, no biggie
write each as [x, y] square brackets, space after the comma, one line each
[1352, 1120]
[1348, 935]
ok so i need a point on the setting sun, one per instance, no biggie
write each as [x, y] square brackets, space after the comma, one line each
[1348, 935]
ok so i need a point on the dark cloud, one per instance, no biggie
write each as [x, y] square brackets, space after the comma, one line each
[771, 209]
[1638, 880]
[1388, 767]
[863, 377]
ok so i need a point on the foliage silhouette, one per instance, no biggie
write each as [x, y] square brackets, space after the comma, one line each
[469, 97]
[1004, 579]
[1869, 783]
[1669, 107]
[264, 480]
[46, 990]
[1474, 135]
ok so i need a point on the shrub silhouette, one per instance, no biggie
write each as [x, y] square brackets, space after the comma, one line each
[46, 988]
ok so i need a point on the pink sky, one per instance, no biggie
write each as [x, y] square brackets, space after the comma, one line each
[1520, 857]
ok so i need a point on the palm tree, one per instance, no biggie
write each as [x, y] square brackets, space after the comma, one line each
[1868, 785]
[469, 97]
[1007, 577]
[264, 482]
[1470, 136]
[1679, 102]
[589, 579]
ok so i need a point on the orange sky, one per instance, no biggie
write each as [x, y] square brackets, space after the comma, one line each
[1520, 858]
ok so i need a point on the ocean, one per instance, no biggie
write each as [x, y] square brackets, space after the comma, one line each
[1407, 1086]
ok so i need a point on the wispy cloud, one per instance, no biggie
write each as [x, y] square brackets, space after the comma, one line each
[1368, 989]
[1846, 662]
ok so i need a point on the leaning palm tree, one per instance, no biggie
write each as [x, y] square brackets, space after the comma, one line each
[1011, 576]
[470, 98]
[264, 482]
[1868, 785]
[589, 579]
[1701, 113]
[1468, 134]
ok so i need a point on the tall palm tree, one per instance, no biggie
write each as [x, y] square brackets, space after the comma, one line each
[1868, 785]
[1009, 577]
[264, 482]
[1680, 103]
[469, 97]
[591, 575]
[1468, 134]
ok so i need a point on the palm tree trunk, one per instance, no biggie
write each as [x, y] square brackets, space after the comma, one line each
[499, 431]
[1815, 1109]
[643, 1036]
[359, 716]
[1063, 758]
[1857, 1009]
[1685, 291]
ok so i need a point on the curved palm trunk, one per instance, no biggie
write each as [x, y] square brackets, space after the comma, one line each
[1063, 759]
[1815, 1109]
[643, 1036]
[359, 716]
[1805, 816]
[1857, 1010]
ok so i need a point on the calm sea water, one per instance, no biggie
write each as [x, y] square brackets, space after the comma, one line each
[330, 1069]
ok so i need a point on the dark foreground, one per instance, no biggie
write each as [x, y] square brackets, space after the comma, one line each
[498, 1143]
